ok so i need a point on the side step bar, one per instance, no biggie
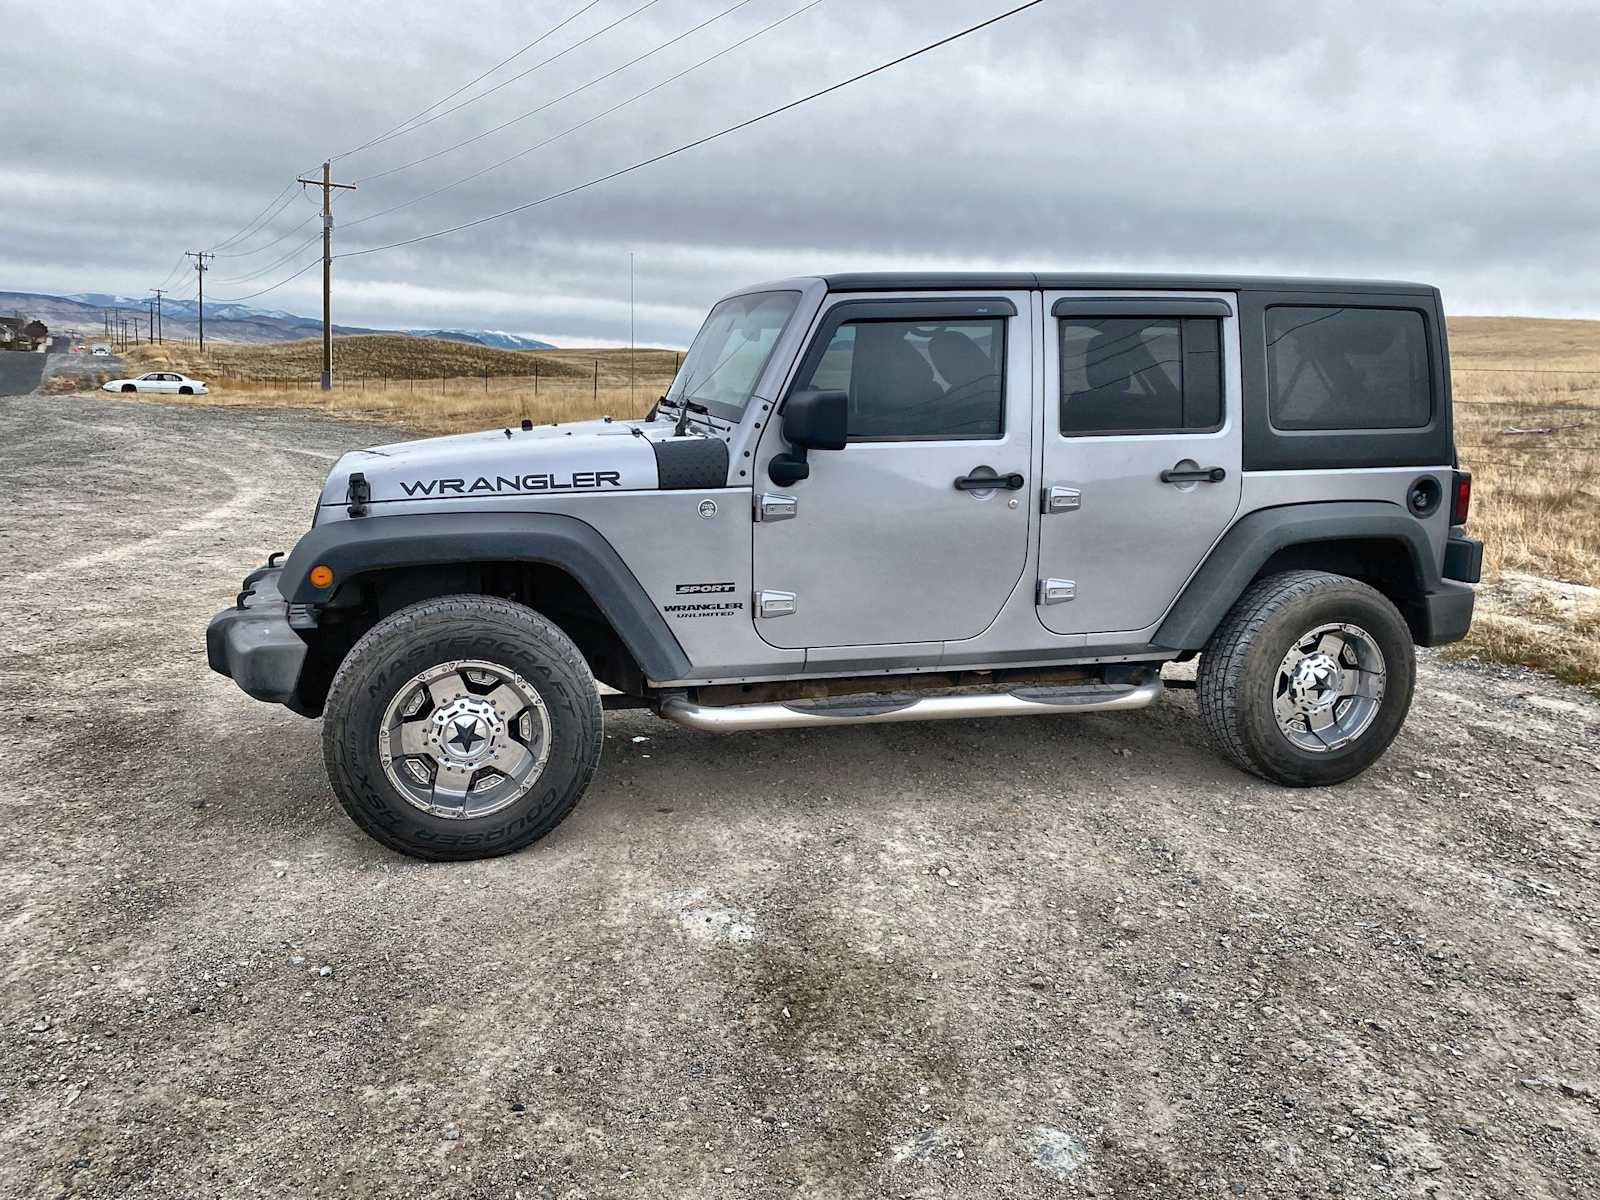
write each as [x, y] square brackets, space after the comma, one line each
[879, 709]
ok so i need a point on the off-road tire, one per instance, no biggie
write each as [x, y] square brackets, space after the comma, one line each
[1238, 672]
[448, 629]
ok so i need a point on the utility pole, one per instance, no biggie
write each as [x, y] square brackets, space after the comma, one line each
[632, 403]
[200, 268]
[150, 322]
[159, 293]
[327, 185]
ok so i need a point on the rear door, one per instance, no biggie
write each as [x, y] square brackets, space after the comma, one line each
[898, 538]
[1141, 459]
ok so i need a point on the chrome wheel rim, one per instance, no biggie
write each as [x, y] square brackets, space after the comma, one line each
[464, 739]
[1329, 687]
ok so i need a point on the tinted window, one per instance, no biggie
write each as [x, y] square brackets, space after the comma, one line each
[917, 379]
[1347, 368]
[731, 350]
[1140, 374]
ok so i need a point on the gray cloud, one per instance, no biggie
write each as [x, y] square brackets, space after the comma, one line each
[1452, 143]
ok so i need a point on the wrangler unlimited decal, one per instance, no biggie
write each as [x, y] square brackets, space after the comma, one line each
[576, 481]
[726, 609]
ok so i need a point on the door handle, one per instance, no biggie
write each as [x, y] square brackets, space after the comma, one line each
[987, 483]
[1195, 475]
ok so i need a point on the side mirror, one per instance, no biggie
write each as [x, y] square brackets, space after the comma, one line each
[816, 420]
[812, 420]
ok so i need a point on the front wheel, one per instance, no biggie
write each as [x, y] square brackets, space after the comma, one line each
[1308, 679]
[128, 387]
[463, 727]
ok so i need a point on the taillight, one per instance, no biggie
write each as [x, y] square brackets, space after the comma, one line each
[1461, 498]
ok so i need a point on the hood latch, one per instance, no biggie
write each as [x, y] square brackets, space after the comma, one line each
[359, 495]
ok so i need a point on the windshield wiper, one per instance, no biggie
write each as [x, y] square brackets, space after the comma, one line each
[683, 414]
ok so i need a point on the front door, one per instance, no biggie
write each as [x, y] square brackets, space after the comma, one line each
[917, 531]
[1141, 452]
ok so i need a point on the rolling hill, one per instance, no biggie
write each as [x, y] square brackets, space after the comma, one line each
[85, 312]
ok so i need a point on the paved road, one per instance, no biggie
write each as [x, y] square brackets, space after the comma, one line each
[20, 372]
[1026, 958]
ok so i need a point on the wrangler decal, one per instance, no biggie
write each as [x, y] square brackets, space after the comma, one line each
[577, 481]
[726, 609]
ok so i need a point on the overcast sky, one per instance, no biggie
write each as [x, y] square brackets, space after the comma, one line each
[1450, 142]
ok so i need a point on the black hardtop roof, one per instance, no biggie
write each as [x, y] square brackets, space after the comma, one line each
[912, 281]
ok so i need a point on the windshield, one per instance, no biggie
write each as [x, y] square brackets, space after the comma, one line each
[731, 350]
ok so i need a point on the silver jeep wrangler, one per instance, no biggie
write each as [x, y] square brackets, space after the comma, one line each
[895, 497]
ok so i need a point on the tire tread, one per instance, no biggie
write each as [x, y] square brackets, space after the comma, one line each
[1219, 681]
[339, 742]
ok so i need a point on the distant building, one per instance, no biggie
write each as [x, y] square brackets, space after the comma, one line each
[19, 334]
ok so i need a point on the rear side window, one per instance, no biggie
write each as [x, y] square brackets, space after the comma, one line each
[1140, 375]
[917, 379]
[1347, 368]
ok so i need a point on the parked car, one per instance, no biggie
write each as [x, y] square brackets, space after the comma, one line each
[169, 382]
[893, 497]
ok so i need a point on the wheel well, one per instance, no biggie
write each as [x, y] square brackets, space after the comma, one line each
[366, 599]
[1381, 563]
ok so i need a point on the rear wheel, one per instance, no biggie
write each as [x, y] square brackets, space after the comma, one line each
[186, 390]
[1308, 679]
[463, 727]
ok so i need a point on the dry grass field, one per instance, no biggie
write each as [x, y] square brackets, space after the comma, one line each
[429, 385]
[1527, 420]
[1527, 411]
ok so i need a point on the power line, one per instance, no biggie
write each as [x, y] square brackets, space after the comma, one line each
[628, 16]
[386, 134]
[590, 121]
[183, 261]
[945, 41]
[666, 154]
[288, 233]
[251, 226]
[477, 137]
[275, 286]
[273, 265]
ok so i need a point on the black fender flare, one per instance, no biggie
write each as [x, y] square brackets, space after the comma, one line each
[354, 547]
[1241, 552]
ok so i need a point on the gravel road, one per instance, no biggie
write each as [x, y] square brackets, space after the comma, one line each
[1014, 959]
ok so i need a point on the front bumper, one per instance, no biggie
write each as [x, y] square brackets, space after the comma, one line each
[253, 644]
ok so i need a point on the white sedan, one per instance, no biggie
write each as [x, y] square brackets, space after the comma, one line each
[169, 382]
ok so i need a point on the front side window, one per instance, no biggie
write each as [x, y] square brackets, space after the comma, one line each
[1125, 375]
[917, 379]
[1347, 368]
[731, 350]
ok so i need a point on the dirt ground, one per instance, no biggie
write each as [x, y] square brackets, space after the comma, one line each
[1010, 959]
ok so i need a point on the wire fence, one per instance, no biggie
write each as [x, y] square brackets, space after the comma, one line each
[486, 382]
